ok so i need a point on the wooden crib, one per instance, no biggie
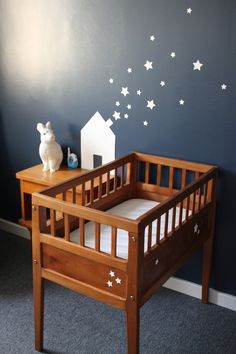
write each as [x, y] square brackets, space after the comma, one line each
[159, 241]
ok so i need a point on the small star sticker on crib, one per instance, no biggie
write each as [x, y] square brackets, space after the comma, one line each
[118, 280]
[196, 229]
[112, 274]
[109, 283]
[139, 92]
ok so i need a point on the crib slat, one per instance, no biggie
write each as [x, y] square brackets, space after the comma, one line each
[91, 191]
[187, 208]
[149, 238]
[181, 213]
[171, 178]
[205, 194]
[197, 175]
[81, 228]
[128, 173]
[209, 190]
[115, 180]
[52, 221]
[108, 183]
[199, 199]
[166, 224]
[194, 202]
[64, 195]
[183, 178]
[66, 227]
[83, 194]
[147, 169]
[100, 187]
[74, 195]
[158, 175]
[113, 241]
[122, 176]
[97, 236]
[173, 219]
[158, 231]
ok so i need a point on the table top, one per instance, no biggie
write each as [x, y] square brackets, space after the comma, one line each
[36, 174]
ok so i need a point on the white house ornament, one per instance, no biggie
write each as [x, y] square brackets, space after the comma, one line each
[97, 139]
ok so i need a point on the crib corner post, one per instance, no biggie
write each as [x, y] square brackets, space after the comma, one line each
[38, 281]
[135, 260]
[208, 248]
[132, 325]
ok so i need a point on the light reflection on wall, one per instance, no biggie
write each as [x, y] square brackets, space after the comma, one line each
[38, 44]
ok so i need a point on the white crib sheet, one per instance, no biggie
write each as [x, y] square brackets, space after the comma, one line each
[132, 209]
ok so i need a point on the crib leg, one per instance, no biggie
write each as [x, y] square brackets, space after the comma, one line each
[38, 310]
[132, 324]
[206, 271]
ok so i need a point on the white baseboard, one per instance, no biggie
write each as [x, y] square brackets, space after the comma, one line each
[14, 228]
[182, 286]
[195, 290]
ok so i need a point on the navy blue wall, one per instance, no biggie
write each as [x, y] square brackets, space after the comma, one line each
[57, 57]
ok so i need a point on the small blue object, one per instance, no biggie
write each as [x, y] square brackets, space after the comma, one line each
[72, 160]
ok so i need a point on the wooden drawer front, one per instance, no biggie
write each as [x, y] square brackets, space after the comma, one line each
[170, 252]
[89, 272]
[30, 187]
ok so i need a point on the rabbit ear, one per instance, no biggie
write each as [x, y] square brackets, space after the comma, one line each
[48, 125]
[40, 127]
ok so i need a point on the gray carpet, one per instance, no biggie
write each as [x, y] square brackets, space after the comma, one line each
[170, 322]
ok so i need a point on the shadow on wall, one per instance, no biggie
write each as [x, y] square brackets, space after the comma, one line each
[9, 196]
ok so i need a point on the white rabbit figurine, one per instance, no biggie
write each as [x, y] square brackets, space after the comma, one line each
[49, 150]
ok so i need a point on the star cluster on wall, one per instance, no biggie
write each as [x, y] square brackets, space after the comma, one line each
[150, 68]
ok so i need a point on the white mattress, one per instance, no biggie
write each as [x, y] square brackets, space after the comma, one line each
[132, 209]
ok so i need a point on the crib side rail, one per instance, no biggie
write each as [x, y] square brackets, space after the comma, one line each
[159, 178]
[173, 230]
[91, 271]
[99, 187]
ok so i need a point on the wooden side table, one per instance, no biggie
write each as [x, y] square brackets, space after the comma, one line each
[33, 179]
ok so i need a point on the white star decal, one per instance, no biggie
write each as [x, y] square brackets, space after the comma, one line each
[117, 103]
[173, 55]
[181, 102]
[196, 229]
[129, 70]
[223, 86]
[189, 10]
[148, 65]
[112, 274]
[125, 91]
[197, 65]
[109, 283]
[139, 92]
[151, 104]
[111, 80]
[129, 106]
[116, 115]
[145, 123]
[118, 280]
[152, 38]
[162, 83]
[126, 116]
